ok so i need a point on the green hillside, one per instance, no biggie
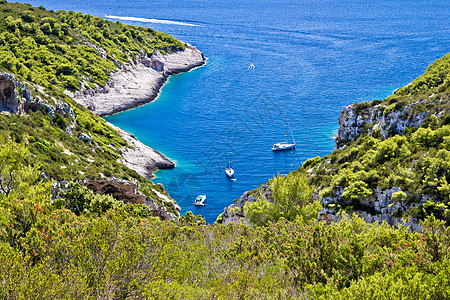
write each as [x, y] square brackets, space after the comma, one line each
[119, 252]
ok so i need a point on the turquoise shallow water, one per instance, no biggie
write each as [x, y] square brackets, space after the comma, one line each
[312, 58]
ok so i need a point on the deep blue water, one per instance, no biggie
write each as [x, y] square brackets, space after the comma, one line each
[312, 57]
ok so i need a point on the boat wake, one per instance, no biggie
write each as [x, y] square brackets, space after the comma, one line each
[145, 20]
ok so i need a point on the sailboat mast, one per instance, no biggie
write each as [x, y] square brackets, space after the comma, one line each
[286, 128]
[292, 135]
[229, 161]
[293, 140]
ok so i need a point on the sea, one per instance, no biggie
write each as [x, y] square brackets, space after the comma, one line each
[310, 58]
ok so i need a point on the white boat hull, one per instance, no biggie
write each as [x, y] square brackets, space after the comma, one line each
[199, 200]
[229, 172]
[282, 146]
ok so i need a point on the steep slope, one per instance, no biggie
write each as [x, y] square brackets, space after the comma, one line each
[392, 156]
[410, 106]
[46, 56]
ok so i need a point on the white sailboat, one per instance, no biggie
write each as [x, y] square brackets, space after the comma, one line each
[285, 145]
[229, 170]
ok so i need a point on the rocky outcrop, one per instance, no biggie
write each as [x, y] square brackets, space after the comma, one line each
[381, 121]
[11, 94]
[17, 99]
[138, 82]
[141, 158]
[377, 207]
[235, 212]
[121, 190]
[126, 192]
[355, 121]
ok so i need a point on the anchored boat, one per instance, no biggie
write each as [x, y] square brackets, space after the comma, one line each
[285, 145]
[199, 201]
[229, 170]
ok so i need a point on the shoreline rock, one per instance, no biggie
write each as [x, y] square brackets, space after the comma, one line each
[141, 158]
[138, 83]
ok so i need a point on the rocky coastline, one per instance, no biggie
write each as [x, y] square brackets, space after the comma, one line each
[135, 84]
[141, 158]
[139, 82]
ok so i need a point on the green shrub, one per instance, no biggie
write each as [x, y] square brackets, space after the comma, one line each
[311, 161]
[357, 190]
[28, 16]
[81, 200]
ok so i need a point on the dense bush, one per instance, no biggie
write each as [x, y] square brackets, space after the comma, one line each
[291, 199]
[121, 252]
[89, 246]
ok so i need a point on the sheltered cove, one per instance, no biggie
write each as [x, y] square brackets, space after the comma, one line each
[134, 85]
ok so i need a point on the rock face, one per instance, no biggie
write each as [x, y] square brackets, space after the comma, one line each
[380, 204]
[10, 94]
[138, 83]
[126, 192]
[235, 212]
[16, 99]
[120, 190]
[365, 119]
[353, 122]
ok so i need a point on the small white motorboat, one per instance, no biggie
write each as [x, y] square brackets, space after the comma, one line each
[199, 201]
